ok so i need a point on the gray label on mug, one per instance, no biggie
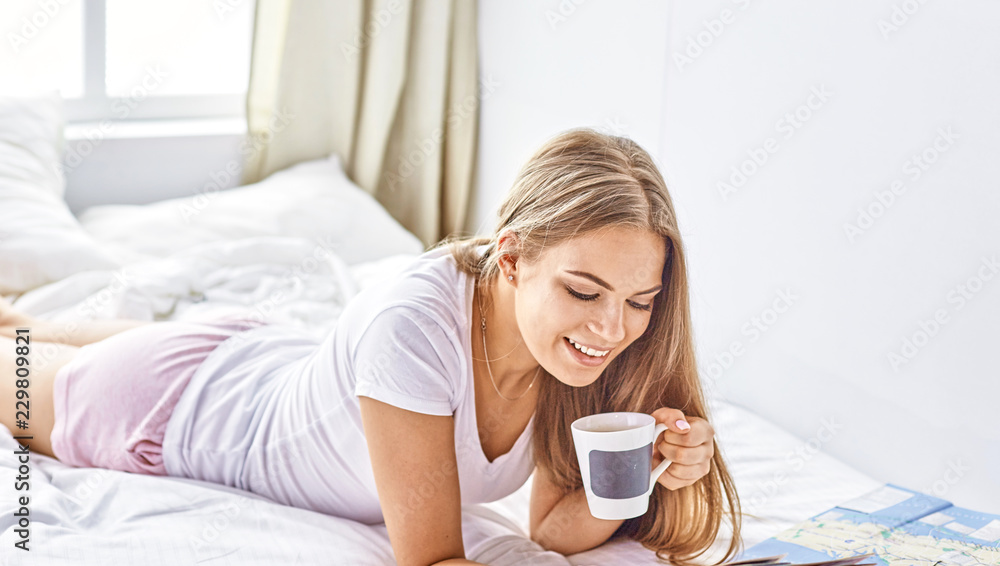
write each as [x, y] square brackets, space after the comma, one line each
[620, 475]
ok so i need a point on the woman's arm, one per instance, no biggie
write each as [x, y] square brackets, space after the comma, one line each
[416, 474]
[563, 523]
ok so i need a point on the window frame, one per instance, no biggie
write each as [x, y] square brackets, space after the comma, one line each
[96, 106]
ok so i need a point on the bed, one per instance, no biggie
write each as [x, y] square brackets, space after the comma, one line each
[293, 249]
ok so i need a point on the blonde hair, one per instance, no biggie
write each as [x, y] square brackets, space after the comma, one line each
[578, 182]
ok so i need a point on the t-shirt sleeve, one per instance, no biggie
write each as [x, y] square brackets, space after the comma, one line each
[406, 358]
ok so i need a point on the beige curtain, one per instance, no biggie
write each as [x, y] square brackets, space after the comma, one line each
[391, 86]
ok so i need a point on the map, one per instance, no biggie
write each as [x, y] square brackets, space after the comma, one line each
[898, 526]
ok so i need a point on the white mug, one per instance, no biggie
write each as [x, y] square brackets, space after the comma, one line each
[615, 452]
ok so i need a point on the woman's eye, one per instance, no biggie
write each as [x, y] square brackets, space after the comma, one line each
[642, 307]
[582, 297]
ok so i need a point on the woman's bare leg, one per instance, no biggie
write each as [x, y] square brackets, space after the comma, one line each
[44, 360]
[51, 346]
[71, 333]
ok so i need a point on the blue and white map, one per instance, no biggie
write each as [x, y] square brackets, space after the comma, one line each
[899, 526]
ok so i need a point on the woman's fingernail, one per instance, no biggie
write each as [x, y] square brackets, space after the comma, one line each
[683, 425]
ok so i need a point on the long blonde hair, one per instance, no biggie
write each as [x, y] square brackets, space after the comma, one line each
[578, 182]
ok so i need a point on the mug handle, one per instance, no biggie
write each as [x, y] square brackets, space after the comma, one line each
[657, 471]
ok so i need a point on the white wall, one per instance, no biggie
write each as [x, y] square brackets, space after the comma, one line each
[821, 368]
[559, 64]
[144, 164]
[837, 354]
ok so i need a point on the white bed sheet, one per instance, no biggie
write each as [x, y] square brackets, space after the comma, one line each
[92, 516]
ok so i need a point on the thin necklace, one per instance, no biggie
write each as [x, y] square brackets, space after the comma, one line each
[482, 316]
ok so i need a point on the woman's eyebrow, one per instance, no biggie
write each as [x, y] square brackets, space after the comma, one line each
[602, 283]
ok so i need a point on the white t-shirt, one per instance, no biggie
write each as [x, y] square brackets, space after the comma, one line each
[274, 411]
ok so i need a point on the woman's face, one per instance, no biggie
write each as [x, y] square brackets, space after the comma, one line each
[596, 290]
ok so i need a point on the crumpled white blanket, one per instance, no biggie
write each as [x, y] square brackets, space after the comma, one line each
[278, 279]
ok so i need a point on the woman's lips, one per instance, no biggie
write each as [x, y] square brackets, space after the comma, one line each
[584, 359]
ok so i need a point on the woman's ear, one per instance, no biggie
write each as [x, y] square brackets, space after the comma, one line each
[508, 247]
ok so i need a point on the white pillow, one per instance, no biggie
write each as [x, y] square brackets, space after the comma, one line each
[31, 142]
[40, 239]
[313, 200]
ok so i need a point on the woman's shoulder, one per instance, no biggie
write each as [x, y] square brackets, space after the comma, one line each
[431, 285]
[436, 265]
[407, 338]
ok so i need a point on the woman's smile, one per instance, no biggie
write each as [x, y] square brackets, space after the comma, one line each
[584, 358]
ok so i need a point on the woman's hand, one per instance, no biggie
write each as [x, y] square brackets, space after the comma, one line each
[689, 450]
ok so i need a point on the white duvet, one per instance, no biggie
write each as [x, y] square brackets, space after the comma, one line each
[91, 516]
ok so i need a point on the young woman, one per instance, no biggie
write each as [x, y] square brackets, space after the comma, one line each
[448, 383]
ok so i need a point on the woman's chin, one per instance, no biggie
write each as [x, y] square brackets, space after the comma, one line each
[579, 377]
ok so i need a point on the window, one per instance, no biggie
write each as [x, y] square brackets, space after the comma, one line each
[130, 59]
[42, 48]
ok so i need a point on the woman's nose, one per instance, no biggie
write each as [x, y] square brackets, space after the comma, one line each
[610, 325]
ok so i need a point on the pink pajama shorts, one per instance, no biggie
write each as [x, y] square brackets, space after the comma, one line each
[112, 401]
